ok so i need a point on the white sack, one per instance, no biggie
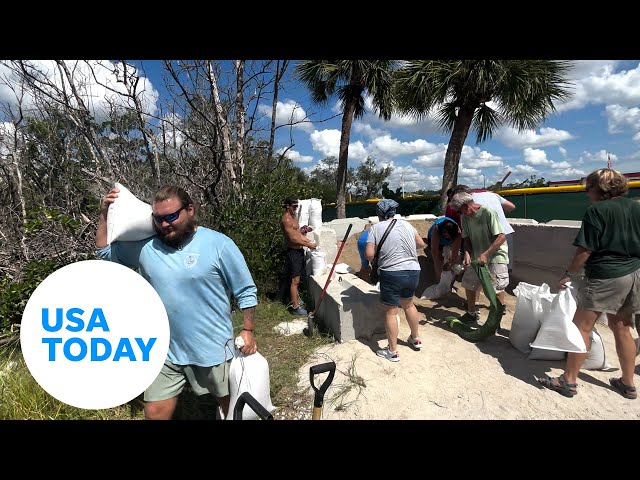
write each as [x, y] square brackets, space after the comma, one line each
[303, 212]
[128, 218]
[315, 213]
[249, 373]
[596, 359]
[439, 289]
[528, 314]
[318, 262]
[557, 331]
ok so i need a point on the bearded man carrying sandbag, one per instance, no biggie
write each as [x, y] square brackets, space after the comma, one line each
[195, 271]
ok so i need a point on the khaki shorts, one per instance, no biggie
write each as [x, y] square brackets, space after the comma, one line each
[499, 277]
[610, 295]
[172, 378]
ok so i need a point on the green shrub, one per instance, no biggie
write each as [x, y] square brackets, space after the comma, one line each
[14, 295]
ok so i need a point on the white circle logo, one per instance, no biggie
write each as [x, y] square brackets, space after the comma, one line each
[94, 334]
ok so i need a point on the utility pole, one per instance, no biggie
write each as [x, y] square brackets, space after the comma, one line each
[402, 183]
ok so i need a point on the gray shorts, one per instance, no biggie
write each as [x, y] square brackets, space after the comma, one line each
[610, 295]
[172, 378]
[499, 277]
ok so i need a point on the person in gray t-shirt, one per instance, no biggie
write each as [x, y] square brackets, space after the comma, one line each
[399, 271]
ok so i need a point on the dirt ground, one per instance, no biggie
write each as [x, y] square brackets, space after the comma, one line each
[451, 378]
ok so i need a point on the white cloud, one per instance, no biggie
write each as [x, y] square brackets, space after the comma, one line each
[466, 172]
[327, 142]
[563, 151]
[595, 83]
[357, 152]
[289, 112]
[599, 157]
[386, 147]
[621, 118]
[565, 174]
[557, 165]
[430, 160]
[296, 156]
[367, 130]
[523, 169]
[413, 179]
[93, 81]
[535, 157]
[474, 157]
[529, 138]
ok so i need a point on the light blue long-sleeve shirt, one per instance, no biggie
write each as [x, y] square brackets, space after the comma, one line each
[195, 283]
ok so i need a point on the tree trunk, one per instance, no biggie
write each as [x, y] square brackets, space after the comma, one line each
[23, 211]
[274, 104]
[454, 151]
[240, 112]
[222, 127]
[343, 157]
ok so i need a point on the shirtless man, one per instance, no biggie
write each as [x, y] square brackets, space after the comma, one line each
[296, 240]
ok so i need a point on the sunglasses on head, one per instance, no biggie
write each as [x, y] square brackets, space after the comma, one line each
[171, 217]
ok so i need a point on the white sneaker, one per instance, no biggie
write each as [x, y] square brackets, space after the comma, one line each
[388, 354]
[415, 343]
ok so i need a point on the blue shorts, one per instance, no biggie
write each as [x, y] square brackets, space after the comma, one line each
[397, 285]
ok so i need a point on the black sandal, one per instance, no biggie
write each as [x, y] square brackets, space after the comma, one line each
[563, 388]
[624, 390]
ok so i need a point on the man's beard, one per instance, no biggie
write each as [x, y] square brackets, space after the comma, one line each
[176, 237]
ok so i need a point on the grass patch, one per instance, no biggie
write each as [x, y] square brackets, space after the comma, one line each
[22, 398]
[353, 383]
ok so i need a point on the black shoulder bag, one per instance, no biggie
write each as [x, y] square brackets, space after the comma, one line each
[373, 276]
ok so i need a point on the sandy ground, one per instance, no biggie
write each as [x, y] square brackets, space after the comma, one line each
[451, 378]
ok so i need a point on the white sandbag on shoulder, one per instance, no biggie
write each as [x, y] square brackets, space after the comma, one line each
[596, 359]
[528, 314]
[128, 218]
[249, 373]
[557, 331]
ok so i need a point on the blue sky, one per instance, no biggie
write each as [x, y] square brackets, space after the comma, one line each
[601, 119]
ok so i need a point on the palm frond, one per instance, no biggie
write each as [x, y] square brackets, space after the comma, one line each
[485, 122]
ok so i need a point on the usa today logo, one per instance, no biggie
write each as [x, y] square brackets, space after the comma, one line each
[94, 334]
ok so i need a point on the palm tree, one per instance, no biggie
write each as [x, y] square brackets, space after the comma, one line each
[523, 93]
[350, 79]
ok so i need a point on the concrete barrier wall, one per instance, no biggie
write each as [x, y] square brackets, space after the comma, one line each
[351, 308]
[542, 251]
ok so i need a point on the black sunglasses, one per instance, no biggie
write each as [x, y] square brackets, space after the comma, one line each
[169, 218]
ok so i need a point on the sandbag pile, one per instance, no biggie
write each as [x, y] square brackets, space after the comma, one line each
[543, 327]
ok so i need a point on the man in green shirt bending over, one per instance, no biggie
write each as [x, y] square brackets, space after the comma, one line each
[484, 241]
